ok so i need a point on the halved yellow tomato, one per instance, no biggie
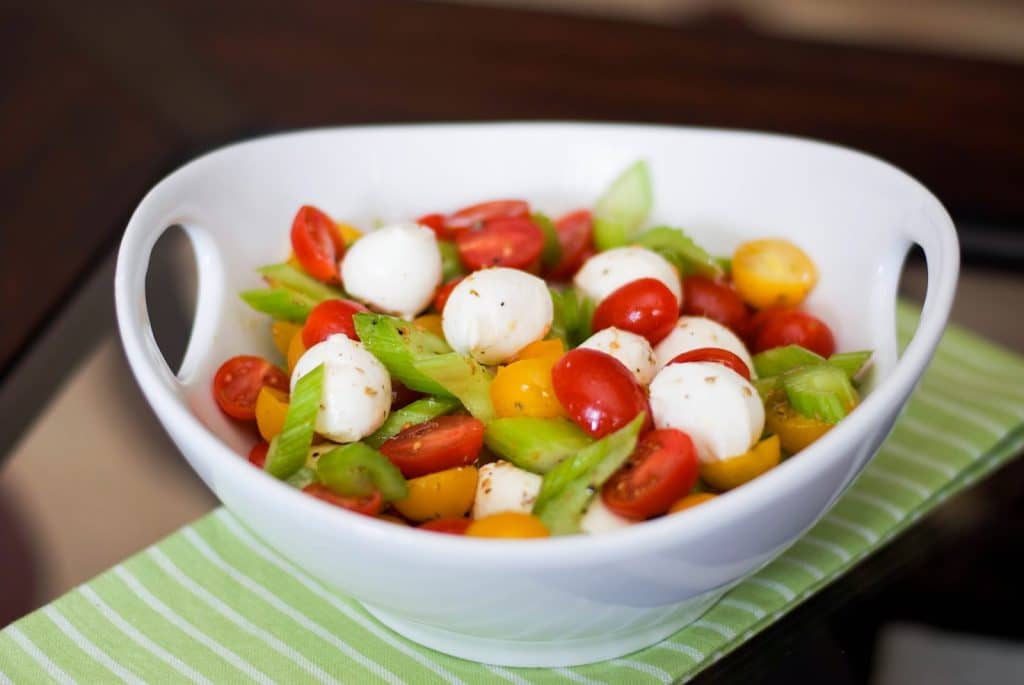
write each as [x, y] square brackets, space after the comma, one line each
[349, 234]
[735, 471]
[282, 332]
[439, 495]
[772, 273]
[524, 388]
[542, 349]
[795, 430]
[508, 524]
[691, 500]
[296, 348]
[431, 323]
[271, 408]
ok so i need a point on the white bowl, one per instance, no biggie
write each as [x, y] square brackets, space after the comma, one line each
[560, 601]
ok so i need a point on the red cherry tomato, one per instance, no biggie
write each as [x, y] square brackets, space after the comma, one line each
[661, 470]
[238, 381]
[258, 454]
[444, 292]
[317, 244]
[576, 237]
[515, 243]
[479, 214]
[435, 222]
[436, 445]
[597, 391]
[401, 395]
[780, 327]
[451, 526]
[715, 300]
[645, 306]
[330, 317]
[713, 354]
[368, 506]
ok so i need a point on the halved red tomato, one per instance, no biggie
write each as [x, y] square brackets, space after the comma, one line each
[645, 306]
[713, 354]
[238, 381]
[598, 392]
[661, 470]
[436, 223]
[330, 317]
[479, 214]
[715, 300]
[444, 292]
[435, 445]
[368, 506]
[317, 244]
[515, 243]
[780, 327]
[258, 454]
[451, 526]
[576, 238]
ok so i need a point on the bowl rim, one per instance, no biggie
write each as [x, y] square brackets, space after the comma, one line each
[576, 550]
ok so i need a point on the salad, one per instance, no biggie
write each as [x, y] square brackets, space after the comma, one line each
[493, 372]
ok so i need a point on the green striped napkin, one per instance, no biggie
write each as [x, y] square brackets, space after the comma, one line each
[213, 604]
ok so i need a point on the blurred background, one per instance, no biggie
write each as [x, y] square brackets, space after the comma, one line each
[99, 100]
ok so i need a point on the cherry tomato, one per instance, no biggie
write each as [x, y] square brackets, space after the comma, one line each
[781, 327]
[442, 443]
[645, 306]
[439, 495]
[551, 349]
[576, 237]
[451, 526]
[238, 381]
[401, 395]
[795, 430]
[508, 524]
[368, 506]
[435, 222]
[691, 501]
[662, 469]
[598, 392]
[317, 244]
[733, 472]
[523, 388]
[717, 301]
[713, 354]
[330, 317]
[475, 216]
[515, 243]
[444, 292]
[258, 454]
[772, 273]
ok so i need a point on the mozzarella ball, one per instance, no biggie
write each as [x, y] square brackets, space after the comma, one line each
[694, 332]
[394, 270]
[357, 388]
[718, 408]
[598, 518]
[502, 486]
[606, 272]
[494, 313]
[629, 348]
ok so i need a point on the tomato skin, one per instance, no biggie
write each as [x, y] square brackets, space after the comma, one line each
[598, 392]
[576, 238]
[317, 244]
[713, 354]
[436, 445]
[661, 470]
[515, 243]
[368, 506]
[451, 526]
[237, 383]
[444, 292]
[524, 388]
[715, 300]
[508, 524]
[258, 454]
[645, 306]
[477, 215]
[781, 327]
[328, 318]
[401, 395]
[436, 223]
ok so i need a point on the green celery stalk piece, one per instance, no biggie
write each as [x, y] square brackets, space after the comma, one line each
[584, 319]
[822, 392]
[280, 303]
[463, 377]
[287, 276]
[356, 470]
[852, 363]
[779, 360]
[765, 386]
[573, 315]
[680, 250]
[411, 414]
[724, 263]
[451, 265]
[623, 208]
[537, 445]
[400, 346]
[552, 253]
[559, 324]
[301, 478]
[568, 488]
[288, 450]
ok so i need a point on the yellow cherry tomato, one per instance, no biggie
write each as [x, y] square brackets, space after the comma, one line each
[431, 323]
[795, 430]
[735, 471]
[271, 408]
[508, 524]
[772, 273]
[282, 332]
[542, 349]
[691, 500]
[524, 388]
[296, 348]
[349, 234]
[439, 495]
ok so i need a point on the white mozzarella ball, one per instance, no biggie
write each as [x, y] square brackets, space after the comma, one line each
[629, 348]
[606, 272]
[718, 408]
[395, 269]
[494, 313]
[598, 518]
[694, 332]
[502, 486]
[357, 388]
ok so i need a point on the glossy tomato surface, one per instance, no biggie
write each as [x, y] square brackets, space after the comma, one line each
[317, 244]
[713, 354]
[451, 526]
[444, 292]
[368, 506]
[238, 381]
[576, 238]
[436, 223]
[328, 318]
[401, 395]
[715, 300]
[780, 327]
[645, 306]
[598, 392]
[435, 445]
[477, 215]
[515, 243]
[258, 454]
[661, 470]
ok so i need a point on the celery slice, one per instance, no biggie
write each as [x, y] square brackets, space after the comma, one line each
[765, 386]
[573, 315]
[411, 414]
[280, 303]
[782, 359]
[552, 253]
[823, 392]
[287, 276]
[451, 265]
[724, 263]
[301, 478]
[568, 488]
[356, 470]
[399, 346]
[537, 445]
[463, 377]
[623, 208]
[288, 450]
[852, 363]
[680, 250]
